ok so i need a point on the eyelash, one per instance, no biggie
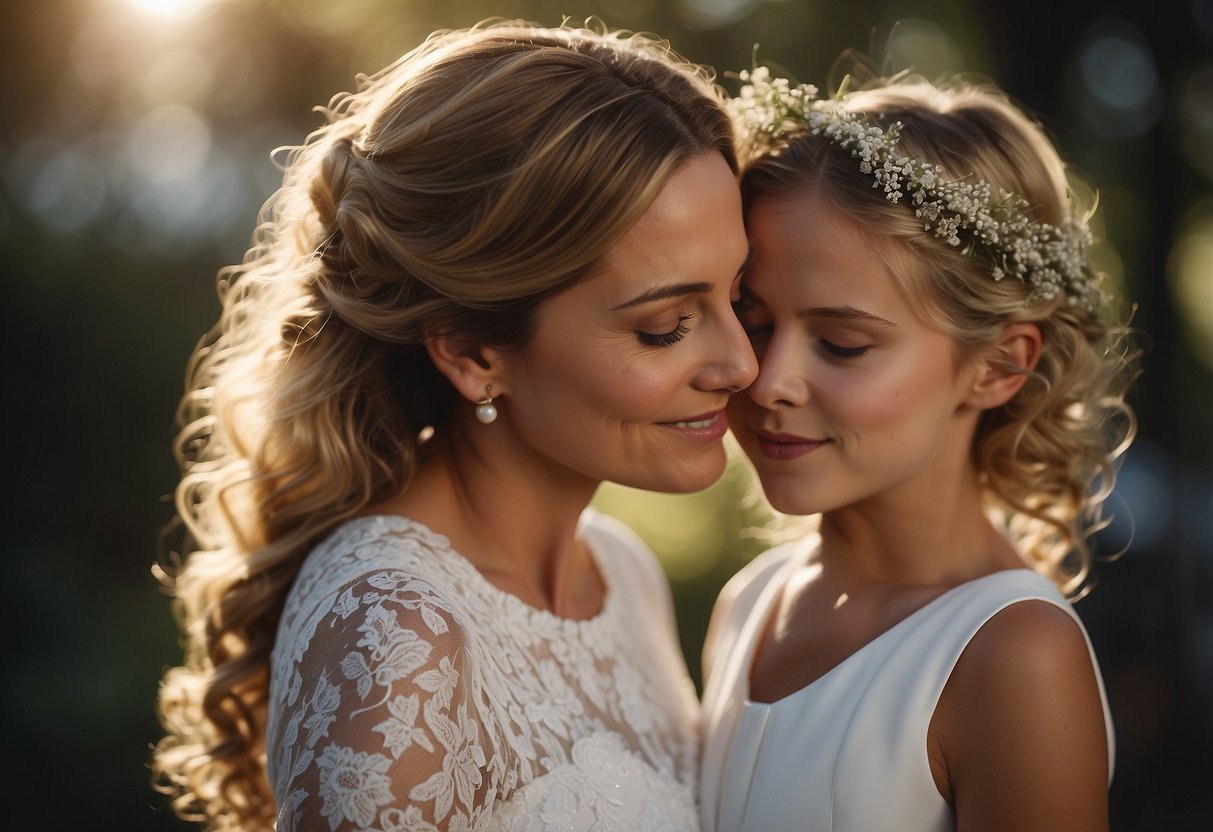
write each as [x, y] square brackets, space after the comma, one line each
[843, 352]
[742, 306]
[666, 339]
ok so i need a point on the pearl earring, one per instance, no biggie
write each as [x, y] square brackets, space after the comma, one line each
[486, 411]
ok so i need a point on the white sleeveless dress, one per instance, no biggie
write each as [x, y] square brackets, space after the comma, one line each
[847, 753]
[409, 694]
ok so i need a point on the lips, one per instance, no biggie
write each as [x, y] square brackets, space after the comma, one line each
[785, 446]
[707, 427]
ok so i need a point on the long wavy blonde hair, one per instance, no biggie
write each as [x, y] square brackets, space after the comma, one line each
[1047, 458]
[453, 192]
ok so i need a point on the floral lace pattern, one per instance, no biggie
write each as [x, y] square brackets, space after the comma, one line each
[408, 694]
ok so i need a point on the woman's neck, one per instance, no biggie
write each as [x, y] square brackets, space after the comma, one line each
[512, 515]
[917, 536]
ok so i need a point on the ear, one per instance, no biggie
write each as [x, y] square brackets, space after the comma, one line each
[469, 365]
[1004, 365]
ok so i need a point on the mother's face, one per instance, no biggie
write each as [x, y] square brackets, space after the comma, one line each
[628, 372]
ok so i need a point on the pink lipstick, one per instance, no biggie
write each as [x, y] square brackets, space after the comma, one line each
[785, 446]
[707, 427]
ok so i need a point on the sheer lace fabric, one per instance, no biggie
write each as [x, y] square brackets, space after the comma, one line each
[409, 693]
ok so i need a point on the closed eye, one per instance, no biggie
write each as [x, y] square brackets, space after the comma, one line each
[843, 352]
[666, 339]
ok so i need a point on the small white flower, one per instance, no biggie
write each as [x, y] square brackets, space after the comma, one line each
[353, 784]
[400, 730]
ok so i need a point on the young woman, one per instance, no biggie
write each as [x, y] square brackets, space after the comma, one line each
[937, 380]
[500, 274]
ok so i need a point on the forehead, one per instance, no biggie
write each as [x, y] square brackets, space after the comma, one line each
[810, 254]
[697, 199]
[805, 242]
[692, 229]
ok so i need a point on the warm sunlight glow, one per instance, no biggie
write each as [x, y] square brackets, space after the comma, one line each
[170, 8]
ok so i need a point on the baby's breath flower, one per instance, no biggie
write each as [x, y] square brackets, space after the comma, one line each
[1048, 259]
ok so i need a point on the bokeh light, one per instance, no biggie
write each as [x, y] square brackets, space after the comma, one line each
[1118, 91]
[169, 146]
[713, 13]
[330, 18]
[1190, 276]
[1142, 507]
[177, 76]
[67, 193]
[779, 24]
[923, 46]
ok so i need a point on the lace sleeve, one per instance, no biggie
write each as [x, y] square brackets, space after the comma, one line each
[379, 728]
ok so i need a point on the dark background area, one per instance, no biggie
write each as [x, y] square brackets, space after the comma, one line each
[134, 152]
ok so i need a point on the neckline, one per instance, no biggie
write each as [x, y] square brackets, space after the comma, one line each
[464, 566]
[765, 608]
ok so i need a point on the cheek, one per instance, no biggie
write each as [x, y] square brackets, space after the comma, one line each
[645, 392]
[889, 404]
[908, 413]
[607, 389]
[861, 399]
[654, 385]
[900, 390]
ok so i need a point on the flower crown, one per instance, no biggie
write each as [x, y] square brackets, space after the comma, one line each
[1048, 259]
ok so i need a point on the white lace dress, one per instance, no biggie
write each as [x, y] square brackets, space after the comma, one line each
[409, 693]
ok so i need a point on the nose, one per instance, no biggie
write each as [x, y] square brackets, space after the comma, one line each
[732, 365]
[781, 381]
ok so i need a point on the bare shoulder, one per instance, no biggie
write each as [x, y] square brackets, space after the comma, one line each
[1029, 637]
[1018, 738]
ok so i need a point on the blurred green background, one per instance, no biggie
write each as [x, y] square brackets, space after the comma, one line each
[134, 152]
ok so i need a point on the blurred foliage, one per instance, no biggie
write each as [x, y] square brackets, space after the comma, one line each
[135, 150]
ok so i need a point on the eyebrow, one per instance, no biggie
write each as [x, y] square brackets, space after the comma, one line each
[676, 290]
[842, 313]
[661, 292]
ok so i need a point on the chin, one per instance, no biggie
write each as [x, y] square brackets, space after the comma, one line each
[686, 481]
[792, 503]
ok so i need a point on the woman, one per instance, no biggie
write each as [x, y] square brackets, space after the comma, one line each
[498, 276]
[940, 380]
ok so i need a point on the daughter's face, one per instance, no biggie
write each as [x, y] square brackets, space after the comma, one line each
[858, 396]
